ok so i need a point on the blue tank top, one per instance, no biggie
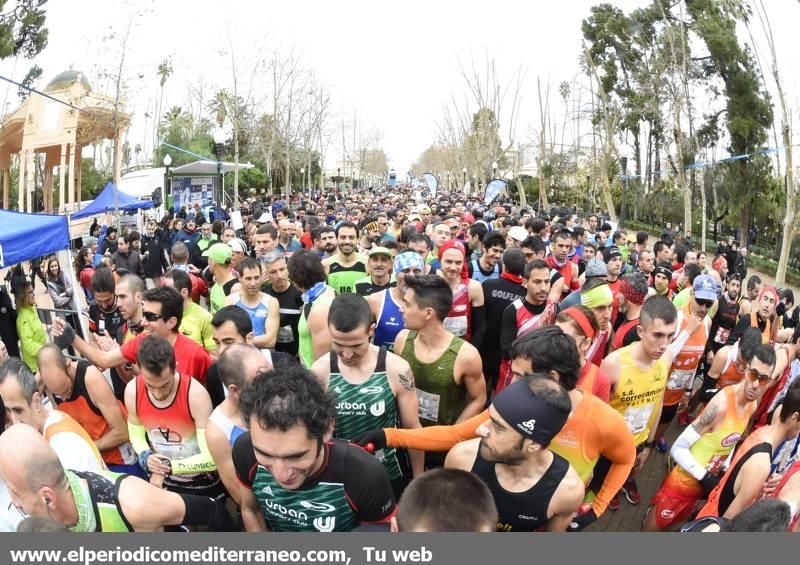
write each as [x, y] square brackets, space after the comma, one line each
[258, 316]
[477, 275]
[390, 321]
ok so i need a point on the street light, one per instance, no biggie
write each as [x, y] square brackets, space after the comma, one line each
[494, 169]
[167, 163]
[219, 145]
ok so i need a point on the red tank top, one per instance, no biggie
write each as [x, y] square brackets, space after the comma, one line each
[566, 272]
[459, 319]
[171, 430]
[527, 321]
[622, 331]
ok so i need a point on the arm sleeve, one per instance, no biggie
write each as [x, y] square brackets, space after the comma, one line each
[676, 346]
[478, 325]
[199, 463]
[435, 438]
[683, 457]
[508, 330]
[138, 437]
[367, 487]
[620, 449]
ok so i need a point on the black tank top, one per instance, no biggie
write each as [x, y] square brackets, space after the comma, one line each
[79, 389]
[727, 495]
[522, 511]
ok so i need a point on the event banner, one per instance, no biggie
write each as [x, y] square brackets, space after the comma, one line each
[188, 191]
[396, 549]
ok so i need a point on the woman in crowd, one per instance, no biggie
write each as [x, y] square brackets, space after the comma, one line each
[61, 292]
[30, 329]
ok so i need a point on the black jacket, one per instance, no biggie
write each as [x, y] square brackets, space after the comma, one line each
[153, 257]
[131, 262]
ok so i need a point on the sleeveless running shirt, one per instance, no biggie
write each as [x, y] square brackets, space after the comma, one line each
[226, 425]
[731, 374]
[219, 292]
[80, 406]
[527, 321]
[343, 279]
[440, 399]
[522, 511]
[685, 363]
[478, 274]
[638, 392]
[171, 431]
[712, 449]
[306, 347]
[96, 498]
[258, 313]
[390, 321]
[370, 405]
[724, 321]
[459, 319]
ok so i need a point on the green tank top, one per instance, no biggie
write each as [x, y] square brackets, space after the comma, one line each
[343, 279]
[440, 399]
[370, 405]
[216, 297]
[97, 500]
[305, 347]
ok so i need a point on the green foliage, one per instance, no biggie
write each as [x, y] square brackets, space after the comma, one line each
[92, 180]
[23, 34]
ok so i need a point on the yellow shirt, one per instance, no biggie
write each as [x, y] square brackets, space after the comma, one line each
[638, 393]
[196, 325]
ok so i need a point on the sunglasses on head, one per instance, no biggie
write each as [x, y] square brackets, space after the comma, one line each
[706, 303]
[762, 378]
[151, 316]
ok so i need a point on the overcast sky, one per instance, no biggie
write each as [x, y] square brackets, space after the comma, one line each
[394, 65]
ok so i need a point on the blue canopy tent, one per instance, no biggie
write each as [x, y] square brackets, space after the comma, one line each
[27, 236]
[105, 203]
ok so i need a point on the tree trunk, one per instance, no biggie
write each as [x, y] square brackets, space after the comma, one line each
[236, 170]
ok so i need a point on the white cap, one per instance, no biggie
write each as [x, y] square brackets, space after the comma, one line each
[237, 244]
[518, 233]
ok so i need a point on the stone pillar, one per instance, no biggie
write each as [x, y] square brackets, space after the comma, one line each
[21, 187]
[62, 170]
[71, 178]
[47, 183]
[78, 171]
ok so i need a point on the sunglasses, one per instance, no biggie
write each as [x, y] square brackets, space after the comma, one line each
[706, 303]
[762, 378]
[151, 316]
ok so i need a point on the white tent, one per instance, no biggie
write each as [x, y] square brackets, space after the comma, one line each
[143, 182]
[208, 168]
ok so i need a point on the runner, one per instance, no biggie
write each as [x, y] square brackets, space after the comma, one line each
[24, 404]
[264, 241]
[293, 476]
[105, 319]
[324, 239]
[727, 314]
[373, 388]
[94, 501]
[661, 277]
[263, 309]
[196, 322]
[446, 500]
[447, 370]
[646, 263]
[761, 316]
[167, 418]
[701, 451]
[81, 391]
[525, 315]
[533, 487]
[308, 274]
[633, 293]
[289, 300]
[385, 305]
[380, 268]
[598, 297]
[488, 265]
[346, 266]
[467, 316]
[638, 375]
[557, 261]
[753, 291]
[580, 323]
[219, 263]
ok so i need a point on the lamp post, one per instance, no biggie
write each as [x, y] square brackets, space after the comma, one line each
[219, 145]
[623, 161]
[494, 169]
[167, 164]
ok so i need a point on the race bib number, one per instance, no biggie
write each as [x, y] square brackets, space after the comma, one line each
[428, 405]
[638, 417]
[721, 336]
[285, 335]
[456, 325]
[678, 379]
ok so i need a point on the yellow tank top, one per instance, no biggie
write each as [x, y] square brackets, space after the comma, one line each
[638, 393]
[712, 449]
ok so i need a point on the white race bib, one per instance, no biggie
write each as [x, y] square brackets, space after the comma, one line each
[638, 417]
[428, 405]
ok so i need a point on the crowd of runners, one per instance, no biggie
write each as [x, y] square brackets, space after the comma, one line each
[387, 359]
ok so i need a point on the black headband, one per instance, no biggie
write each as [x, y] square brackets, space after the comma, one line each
[527, 414]
[663, 271]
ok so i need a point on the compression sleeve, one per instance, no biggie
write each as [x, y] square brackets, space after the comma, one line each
[435, 438]
[619, 448]
[138, 437]
[683, 456]
[199, 463]
[678, 343]
[478, 325]
[367, 486]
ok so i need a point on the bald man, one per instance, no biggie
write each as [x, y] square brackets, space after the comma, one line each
[24, 405]
[287, 244]
[238, 365]
[86, 501]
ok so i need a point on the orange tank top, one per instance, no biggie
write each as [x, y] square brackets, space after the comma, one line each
[684, 366]
[64, 424]
[731, 374]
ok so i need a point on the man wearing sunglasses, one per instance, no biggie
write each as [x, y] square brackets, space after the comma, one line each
[689, 344]
[701, 450]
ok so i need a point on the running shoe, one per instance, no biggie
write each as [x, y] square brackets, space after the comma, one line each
[662, 446]
[614, 503]
[632, 492]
